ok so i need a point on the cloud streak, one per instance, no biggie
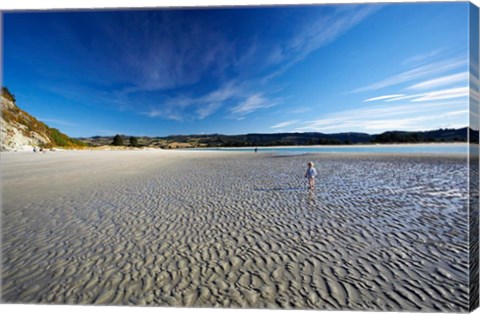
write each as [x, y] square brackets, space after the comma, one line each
[444, 94]
[316, 34]
[429, 96]
[253, 103]
[441, 81]
[284, 124]
[416, 73]
[240, 99]
[396, 96]
[421, 58]
[406, 116]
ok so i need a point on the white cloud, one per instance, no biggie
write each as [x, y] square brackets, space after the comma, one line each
[284, 124]
[253, 103]
[416, 73]
[404, 97]
[435, 95]
[423, 57]
[442, 81]
[444, 94]
[208, 109]
[457, 113]
[181, 107]
[405, 116]
[299, 110]
[153, 113]
[383, 97]
[164, 113]
[200, 107]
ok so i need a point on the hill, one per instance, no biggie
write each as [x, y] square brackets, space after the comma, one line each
[21, 131]
[288, 139]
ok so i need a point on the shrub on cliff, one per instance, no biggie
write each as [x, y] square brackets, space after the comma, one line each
[7, 94]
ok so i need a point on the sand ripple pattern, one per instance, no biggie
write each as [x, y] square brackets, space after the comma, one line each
[379, 233]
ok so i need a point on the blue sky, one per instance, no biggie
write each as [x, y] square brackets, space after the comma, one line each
[326, 68]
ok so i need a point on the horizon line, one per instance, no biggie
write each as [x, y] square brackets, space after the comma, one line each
[266, 133]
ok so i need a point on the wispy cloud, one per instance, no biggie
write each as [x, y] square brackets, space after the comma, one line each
[231, 97]
[299, 110]
[316, 34]
[189, 107]
[429, 96]
[383, 97]
[424, 57]
[442, 81]
[208, 109]
[284, 124]
[167, 53]
[405, 116]
[253, 103]
[404, 97]
[174, 56]
[326, 29]
[153, 50]
[444, 94]
[164, 113]
[416, 73]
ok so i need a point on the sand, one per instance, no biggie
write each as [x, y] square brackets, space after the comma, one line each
[217, 229]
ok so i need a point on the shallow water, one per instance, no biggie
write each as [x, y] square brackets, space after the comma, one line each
[458, 148]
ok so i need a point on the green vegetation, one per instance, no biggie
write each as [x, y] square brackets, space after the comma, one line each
[7, 94]
[133, 141]
[441, 135]
[62, 140]
[117, 140]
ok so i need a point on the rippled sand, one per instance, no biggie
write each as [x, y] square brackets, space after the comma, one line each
[235, 230]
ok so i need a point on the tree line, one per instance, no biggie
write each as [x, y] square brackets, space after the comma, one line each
[119, 140]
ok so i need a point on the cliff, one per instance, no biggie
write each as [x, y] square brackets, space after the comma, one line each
[21, 131]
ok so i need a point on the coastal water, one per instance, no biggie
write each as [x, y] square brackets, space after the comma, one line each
[457, 148]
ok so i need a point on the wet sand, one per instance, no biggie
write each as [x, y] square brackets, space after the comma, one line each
[216, 229]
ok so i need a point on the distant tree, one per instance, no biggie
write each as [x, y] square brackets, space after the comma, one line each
[117, 140]
[133, 141]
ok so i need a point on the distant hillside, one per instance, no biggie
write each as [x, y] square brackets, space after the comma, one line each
[21, 131]
[441, 135]
[287, 139]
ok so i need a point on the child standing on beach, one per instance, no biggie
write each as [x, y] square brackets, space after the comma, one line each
[311, 174]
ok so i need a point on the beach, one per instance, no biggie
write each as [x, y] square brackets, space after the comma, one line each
[382, 232]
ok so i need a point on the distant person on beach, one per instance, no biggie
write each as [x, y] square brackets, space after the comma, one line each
[34, 150]
[311, 174]
[256, 149]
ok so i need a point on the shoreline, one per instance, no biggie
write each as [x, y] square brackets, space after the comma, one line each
[332, 146]
[235, 153]
[127, 148]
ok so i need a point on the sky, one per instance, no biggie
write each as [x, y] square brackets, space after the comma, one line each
[325, 68]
